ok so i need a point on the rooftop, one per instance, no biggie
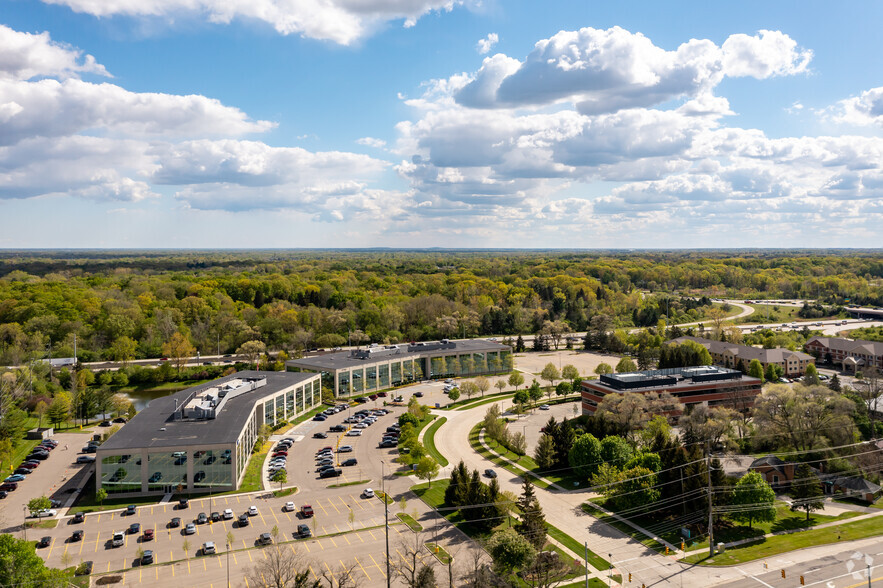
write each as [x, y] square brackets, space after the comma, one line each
[684, 376]
[747, 352]
[378, 353]
[210, 413]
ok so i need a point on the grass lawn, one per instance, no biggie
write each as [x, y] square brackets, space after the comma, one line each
[439, 552]
[429, 442]
[595, 560]
[476, 445]
[593, 583]
[385, 497]
[784, 543]
[284, 492]
[461, 405]
[341, 485]
[409, 520]
[50, 524]
[251, 482]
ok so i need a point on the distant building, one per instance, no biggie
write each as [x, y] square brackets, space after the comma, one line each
[793, 363]
[708, 385]
[60, 362]
[851, 354]
[377, 367]
[200, 439]
[780, 474]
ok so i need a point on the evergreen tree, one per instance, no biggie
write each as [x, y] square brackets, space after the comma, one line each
[834, 384]
[545, 452]
[519, 344]
[533, 522]
[455, 493]
[563, 442]
[806, 490]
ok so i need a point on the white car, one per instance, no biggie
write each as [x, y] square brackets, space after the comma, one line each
[544, 407]
[45, 513]
[368, 493]
[252, 511]
[289, 507]
[362, 425]
[355, 433]
[228, 514]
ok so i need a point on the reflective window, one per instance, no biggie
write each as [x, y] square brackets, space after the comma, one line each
[396, 373]
[437, 367]
[212, 469]
[384, 375]
[467, 364]
[121, 473]
[371, 378]
[343, 383]
[167, 471]
[268, 413]
[289, 404]
[408, 366]
[357, 381]
[280, 408]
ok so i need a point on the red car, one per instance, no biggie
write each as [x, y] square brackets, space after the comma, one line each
[30, 466]
[278, 453]
[148, 535]
[306, 510]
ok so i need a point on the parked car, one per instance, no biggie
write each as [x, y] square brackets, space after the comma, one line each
[354, 433]
[118, 539]
[85, 459]
[16, 477]
[190, 529]
[490, 473]
[134, 528]
[46, 513]
[201, 518]
[289, 507]
[130, 510]
[345, 449]
[44, 542]
[9, 486]
[77, 535]
[208, 548]
[321, 434]
[544, 407]
[183, 503]
[304, 531]
[306, 511]
[265, 539]
[148, 535]
[368, 493]
[332, 473]
[216, 517]
[350, 462]
[175, 522]
[228, 514]
[147, 557]
[243, 520]
[79, 518]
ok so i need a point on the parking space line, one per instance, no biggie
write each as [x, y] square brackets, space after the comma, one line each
[188, 566]
[319, 504]
[364, 571]
[357, 502]
[331, 502]
[377, 565]
[329, 570]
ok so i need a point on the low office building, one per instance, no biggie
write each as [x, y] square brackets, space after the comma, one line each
[709, 385]
[852, 354]
[730, 355]
[377, 367]
[200, 439]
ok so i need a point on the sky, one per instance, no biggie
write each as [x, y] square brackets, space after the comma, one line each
[440, 123]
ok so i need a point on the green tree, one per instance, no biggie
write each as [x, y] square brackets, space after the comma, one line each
[603, 368]
[550, 373]
[178, 349]
[252, 350]
[533, 523]
[811, 378]
[755, 369]
[834, 384]
[806, 490]
[21, 566]
[521, 397]
[535, 392]
[516, 379]
[544, 454]
[626, 365]
[616, 451]
[35, 505]
[101, 496]
[569, 372]
[40, 410]
[123, 350]
[753, 500]
[427, 469]
[585, 455]
[510, 551]
[482, 384]
[500, 385]
[7, 455]
[468, 388]
[454, 394]
[563, 388]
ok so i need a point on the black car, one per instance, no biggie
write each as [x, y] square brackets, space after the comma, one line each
[216, 516]
[77, 536]
[201, 519]
[104, 424]
[265, 539]
[321, 435]
[44, 542]
[183, 503]
[388, 443]
[337, 429]
[3, 493]
[320, 417]
[23, 471]
[243, 520]
[350, 462]
[134, 528]
[79, 518]
[147, 557]
[88, 449]
[175, 522]
[332, 473]
[304, 531]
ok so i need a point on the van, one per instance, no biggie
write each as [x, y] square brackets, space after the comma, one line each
[118, 539]
[85, 459]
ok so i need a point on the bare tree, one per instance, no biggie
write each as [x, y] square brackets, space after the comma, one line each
[281, 567]
[409, 567]
[547, 570]
[342, 576]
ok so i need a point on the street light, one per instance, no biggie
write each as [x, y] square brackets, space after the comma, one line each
[24, 525]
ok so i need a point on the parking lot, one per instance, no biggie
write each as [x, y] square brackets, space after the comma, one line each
[338, 536]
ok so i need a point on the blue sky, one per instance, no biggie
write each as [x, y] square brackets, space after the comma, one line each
[402, 123]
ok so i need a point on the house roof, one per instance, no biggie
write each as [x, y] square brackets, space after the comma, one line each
[855, 483]
[746, 352]
[873, 348]
[769, 460]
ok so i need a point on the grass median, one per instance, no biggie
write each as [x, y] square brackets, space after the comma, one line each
[429, 442]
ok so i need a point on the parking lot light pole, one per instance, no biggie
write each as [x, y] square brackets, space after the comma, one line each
[24, 523]
[385, 517]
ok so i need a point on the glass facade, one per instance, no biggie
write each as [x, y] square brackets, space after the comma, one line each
[383, 375]
[371, 378]
[166, 470]
[343, 383]
[437, 367]
[358, 379]
[210, 470]
[289, 402]
[395, 373]
[280, 408]
[268, 413]
[121, 473]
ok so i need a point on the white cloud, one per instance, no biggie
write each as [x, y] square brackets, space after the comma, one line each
[864, 110]
[485, 45]
[608, 70]
[24, 56]
[339, 21]
[372, 142]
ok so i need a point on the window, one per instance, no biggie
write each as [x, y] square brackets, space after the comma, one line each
[383, 375]
[212, 469]
[396, 373]
[166, 470]
[121, 473]
[371, 378]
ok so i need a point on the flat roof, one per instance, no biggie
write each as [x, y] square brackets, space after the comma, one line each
[145, 429]
[381, 353]
[683, 377]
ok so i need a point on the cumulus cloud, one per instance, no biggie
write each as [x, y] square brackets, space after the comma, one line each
[607, 70]
[372, 142]
[24, 56]
[338, 21]
[485, 45]
[864, 110]
[63, 136]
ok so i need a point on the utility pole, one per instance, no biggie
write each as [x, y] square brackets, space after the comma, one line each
[710, 515]
[586, 561]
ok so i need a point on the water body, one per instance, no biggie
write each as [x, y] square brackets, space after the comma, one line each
[141, 398]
